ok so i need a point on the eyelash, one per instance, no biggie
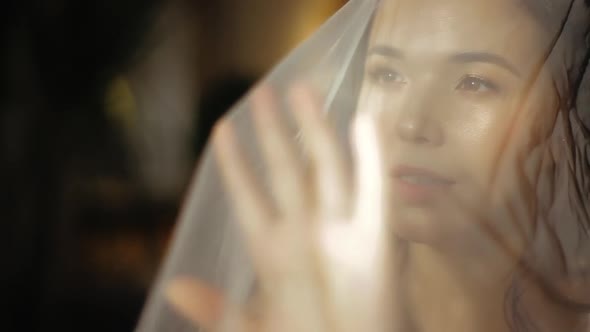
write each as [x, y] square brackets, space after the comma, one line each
[383, 75]
[468, 83]
[476, 84]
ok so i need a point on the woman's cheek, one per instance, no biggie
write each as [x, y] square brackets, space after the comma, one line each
[479, 137]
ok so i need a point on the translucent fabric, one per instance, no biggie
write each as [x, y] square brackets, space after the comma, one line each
[416, 165]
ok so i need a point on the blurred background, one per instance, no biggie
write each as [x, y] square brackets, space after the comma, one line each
[105, 107]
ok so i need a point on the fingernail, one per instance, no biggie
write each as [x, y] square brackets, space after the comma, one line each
[301, 97]
[220, 129]
[222, 133]
[262, 104]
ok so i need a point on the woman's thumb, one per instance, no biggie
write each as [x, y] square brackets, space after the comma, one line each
[196, 301]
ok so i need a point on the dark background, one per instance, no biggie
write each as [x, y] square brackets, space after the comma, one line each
[104, 109]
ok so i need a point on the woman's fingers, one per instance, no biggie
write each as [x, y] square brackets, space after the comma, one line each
[331, 174]
[286, 174]
[370, 212]
[370, 225]
[251, 205]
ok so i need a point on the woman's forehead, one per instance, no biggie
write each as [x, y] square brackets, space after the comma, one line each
[428, 25]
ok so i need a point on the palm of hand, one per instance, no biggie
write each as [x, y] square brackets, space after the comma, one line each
[319, 262]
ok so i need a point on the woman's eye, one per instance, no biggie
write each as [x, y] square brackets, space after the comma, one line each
[477, 85]
[386, 76]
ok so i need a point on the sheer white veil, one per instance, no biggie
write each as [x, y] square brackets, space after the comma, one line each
[208, 243]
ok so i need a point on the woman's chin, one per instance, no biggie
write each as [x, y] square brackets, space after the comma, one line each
[414, 225]
[421, 225]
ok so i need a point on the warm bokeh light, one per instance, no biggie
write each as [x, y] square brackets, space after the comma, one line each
[109, 105]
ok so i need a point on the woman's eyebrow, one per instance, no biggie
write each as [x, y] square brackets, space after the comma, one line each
[386, 51]
[463, 57]
[468, 57]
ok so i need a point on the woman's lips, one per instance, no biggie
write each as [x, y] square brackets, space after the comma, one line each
[419, 185]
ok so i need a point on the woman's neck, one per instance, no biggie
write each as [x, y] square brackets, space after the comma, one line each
[445, 295]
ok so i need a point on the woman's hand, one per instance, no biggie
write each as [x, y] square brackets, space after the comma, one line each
[317, 237]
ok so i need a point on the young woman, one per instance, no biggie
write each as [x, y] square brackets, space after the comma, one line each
[467, 205]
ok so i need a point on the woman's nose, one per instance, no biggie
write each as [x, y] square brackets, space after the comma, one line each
[418, 122]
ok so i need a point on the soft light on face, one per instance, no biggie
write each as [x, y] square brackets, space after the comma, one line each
[456, 85]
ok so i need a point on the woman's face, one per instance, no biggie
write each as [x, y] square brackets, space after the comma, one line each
[459, 91]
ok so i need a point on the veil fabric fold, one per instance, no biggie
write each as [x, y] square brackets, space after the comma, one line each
[443, 93]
